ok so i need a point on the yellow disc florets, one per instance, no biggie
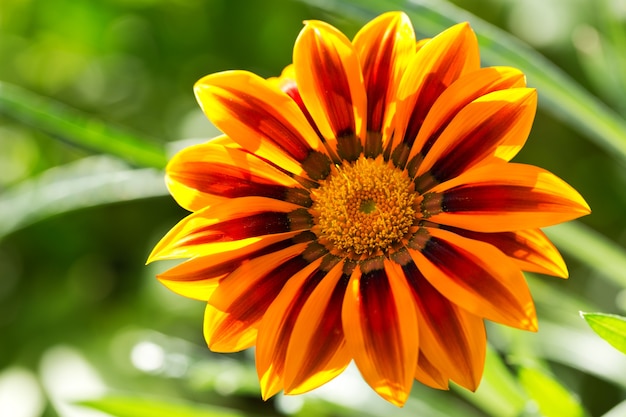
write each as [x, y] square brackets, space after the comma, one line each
[363, 208]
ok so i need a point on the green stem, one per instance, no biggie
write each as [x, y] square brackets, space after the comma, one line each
[80, 129]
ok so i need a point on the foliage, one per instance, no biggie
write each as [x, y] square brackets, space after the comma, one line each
[610, 327]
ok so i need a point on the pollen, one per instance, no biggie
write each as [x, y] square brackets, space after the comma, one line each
[364, 207]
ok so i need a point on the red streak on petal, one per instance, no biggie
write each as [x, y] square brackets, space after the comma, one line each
[376, 79]
[268, 122]
[474, 146]
[226, 181]
[291, 89]
[457, 265]
[259, 224]
[335, 89]
[254, 301]
[431, 90]
[494, 198]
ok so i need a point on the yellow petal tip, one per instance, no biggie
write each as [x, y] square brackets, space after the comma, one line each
[154, 255]
[395, 397]
[269, 387]
[531, 325]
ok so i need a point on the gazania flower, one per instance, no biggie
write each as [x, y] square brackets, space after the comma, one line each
[362, 207]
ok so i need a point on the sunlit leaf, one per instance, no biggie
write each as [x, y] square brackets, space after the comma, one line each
[559, 94]
[552, 399]
[136, 406]
[610, 327]
[85, 183]
[82, 130]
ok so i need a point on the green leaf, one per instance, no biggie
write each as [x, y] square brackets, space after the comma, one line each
[137, 406]
[559, 94]
[68, 124]
[552, 399]
[610, 327]
[88, 182]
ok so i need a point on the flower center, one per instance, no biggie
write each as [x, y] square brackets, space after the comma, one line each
[364, 207]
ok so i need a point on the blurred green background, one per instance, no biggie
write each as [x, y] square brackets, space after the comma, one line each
[81, 317]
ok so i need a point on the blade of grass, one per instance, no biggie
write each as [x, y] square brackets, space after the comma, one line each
[95, 180]
[138, 406]
[65, 123]
[613, 44]
[551, 397]
[499, 394]
[559, 94]
[580, 349]
[553, 303]
[618, 411]
[591, 248]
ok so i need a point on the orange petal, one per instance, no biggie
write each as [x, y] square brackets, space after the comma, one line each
[420, 43]
[224, 140]
[428, 374]
[492, 127]
[224, 333]
[475, 276]
[317, 349]
[228, 226]
[530, 249]
[263, 120]
[453, 340]
[330, 82]
[384, 46]
[202, 175]
[436, 65]
[199, 277]
[460, 93]
[286, 78]
[502, 197]
[277, 324]
[379, 321]
[241, 299]
[287, 83]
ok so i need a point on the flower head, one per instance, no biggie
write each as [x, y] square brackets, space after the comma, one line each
[362, 207]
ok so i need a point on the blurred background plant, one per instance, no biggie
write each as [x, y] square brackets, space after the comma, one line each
[95, 95]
